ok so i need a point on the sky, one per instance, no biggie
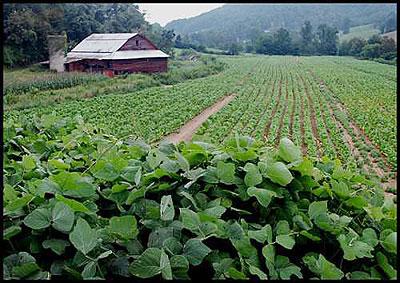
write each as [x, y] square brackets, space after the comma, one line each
[164, 13]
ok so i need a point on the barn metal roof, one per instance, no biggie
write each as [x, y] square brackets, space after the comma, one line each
[103, 42]
[104, 46]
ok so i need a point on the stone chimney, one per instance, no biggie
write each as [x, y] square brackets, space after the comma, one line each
[56, 44]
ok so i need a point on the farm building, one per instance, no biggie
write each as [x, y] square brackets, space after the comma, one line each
[116, 53]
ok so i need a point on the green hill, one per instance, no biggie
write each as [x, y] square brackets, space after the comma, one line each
[238, 22]
[364, 31]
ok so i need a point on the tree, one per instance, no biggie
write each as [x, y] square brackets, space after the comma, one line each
[344, 48]
[234, 49]
[26, 26]
[376, 38]
[265, 44]
[356, 46]
[178, 41]
[306, 38]
[388, 45]
[371, 50]
[326, 40]
[282, 42]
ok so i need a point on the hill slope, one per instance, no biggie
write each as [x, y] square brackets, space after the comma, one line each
[233, 22]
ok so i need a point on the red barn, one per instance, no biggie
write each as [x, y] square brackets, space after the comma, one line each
[116, 53]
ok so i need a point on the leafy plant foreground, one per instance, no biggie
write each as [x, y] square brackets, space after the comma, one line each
[82, 204]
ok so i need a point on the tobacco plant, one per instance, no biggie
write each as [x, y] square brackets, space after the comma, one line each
[81, 204]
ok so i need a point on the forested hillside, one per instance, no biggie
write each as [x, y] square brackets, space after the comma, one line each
[231, 22]
[26, 27]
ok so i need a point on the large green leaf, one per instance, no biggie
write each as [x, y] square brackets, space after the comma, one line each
[83, 237]
[10, 232]
[286, 241]
[278, 173]
[105, 171]
[28, 162]
[263, 196]
[286, 269]
[288, 151]
[389, 242]
[124, 226]
[226, 172]
[383, 262]
[165, 266]
[148, 264]
[24, 270]
[323, 268]
[172, 245]
[74, 185]
[167, 211]
[253, 176]
[256, 271]
[354, 248]
[262, 235]
[17, 204]
[62, 217]
[40, 218]
[56, 245]
[76, 206]
[195, 251]
[190, 219]
[179, 266]
[317, 208]
[340, 189]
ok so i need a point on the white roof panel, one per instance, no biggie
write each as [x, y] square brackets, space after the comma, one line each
[103, 42]
[101, 46]
[136, 54]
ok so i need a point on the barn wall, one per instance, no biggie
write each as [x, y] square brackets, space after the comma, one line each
[142, 44]
[84, 65]
[151, 65]
[141, 65]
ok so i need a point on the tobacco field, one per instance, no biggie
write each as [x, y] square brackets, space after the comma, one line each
[292, 179]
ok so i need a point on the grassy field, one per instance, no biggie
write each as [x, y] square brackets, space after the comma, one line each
[339, 107]
[365, 32]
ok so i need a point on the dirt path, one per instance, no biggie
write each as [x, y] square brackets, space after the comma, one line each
[186, 132]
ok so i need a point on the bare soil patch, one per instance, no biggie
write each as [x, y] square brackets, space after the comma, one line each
[186, 132]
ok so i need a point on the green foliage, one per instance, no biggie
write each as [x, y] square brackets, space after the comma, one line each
[231, 23]
[26, 27]
[187, 222]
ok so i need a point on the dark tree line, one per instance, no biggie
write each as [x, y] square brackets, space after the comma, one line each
[375, 47]
[307, 42]
[26, 27]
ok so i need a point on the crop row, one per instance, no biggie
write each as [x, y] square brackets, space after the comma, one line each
[369, 99]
